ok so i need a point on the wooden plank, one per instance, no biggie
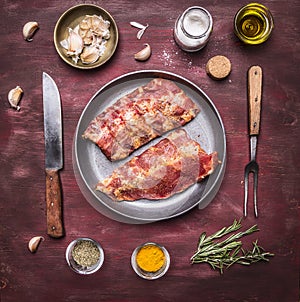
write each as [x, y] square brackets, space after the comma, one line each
[45, 274]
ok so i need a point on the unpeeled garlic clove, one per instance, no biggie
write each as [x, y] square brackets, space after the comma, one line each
[29, 30]
[14, 97]
[34, 243]
[90, 54]
[73, 44]
[143, 54]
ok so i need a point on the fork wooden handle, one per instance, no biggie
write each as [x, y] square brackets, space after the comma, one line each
[254, 98]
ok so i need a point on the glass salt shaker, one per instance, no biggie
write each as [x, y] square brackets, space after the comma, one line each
[193, 28]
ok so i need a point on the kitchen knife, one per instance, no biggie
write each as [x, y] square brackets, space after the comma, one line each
[53, 156]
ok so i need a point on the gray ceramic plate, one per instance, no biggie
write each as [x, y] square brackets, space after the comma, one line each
[90, 164]
[71, 18]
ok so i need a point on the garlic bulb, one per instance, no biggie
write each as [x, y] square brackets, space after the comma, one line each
[29, 30]
[143, 54]
[14, 97]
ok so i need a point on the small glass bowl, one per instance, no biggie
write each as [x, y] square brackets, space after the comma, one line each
[244, 16]
[79, 268]
[150, 275]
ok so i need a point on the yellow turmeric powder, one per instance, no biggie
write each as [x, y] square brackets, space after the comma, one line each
[150, 258]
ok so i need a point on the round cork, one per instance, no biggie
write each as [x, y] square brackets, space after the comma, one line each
[218, 67]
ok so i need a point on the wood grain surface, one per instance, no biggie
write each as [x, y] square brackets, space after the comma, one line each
[54, 204]
[255, 76]
[45, 276]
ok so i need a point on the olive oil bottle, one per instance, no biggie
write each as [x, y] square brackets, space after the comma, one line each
[253, 23]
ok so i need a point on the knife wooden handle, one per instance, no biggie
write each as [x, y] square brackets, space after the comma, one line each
[54, 204]
[254, 98]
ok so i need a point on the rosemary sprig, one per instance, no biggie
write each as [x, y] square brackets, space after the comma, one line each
[223, 254]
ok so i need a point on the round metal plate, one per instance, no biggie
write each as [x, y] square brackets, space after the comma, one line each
[90, 164]
[70, 19]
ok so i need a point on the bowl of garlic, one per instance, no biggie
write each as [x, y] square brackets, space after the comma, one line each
[86, 36]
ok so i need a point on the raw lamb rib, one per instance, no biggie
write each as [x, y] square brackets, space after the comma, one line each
[140, 116]
[169, 167]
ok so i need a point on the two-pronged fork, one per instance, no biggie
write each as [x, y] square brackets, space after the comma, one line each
[254, 99]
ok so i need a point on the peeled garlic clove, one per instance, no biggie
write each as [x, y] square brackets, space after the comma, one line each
[90, 55]
[34, 243]
[29, 30]
[14, 97]
[143, 54]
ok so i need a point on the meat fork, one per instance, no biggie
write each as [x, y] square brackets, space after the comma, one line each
[254, 100]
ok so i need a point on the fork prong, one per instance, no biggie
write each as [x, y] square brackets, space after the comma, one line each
[252, 167]
[246, 192]
[255, 182]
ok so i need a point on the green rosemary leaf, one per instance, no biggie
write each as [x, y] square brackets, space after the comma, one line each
[223, 254]
[201, 239]
[224, 231]
[236, 251]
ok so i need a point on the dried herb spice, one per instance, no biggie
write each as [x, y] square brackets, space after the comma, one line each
[86, 253]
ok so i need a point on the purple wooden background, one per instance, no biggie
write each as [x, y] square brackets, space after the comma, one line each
[45, 276]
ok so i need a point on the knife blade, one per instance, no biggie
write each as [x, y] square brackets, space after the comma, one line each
[53, 156]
